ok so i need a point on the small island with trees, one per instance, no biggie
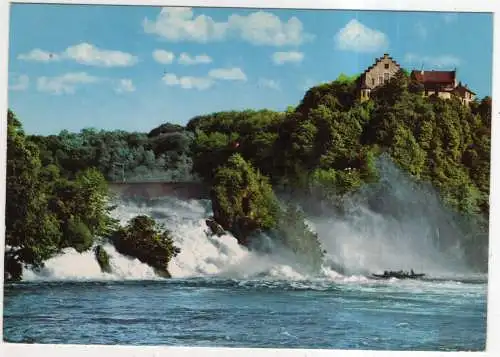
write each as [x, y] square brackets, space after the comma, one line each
[325, 148]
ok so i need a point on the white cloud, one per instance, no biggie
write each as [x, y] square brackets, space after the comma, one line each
[187, 82]
[260, 28]
[357, 37]
[164, 57]
[443, 61]
[83, 53]
[283, 57]
[186, 59]
[39, 56]
[203, 83]
[268, 83]
[66, 83]
[20, 83]
[125, 86]
[228, 74]
[88, 54]
[265, 28]
[178, 24]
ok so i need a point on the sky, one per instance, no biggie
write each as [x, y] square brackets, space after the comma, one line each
[135, 67]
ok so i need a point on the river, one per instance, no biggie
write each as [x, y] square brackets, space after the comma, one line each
[391, 315]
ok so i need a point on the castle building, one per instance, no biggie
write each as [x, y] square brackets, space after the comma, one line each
[443, 84]
[464, 93]
[376, 75]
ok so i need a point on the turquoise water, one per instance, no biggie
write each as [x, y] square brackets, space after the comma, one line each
[357, 314]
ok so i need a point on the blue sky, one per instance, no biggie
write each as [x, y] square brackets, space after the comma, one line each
[134, 68]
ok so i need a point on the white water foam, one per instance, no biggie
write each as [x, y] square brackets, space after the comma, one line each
[71, 265]
[369, 242]
[201, 254]
[363, 242]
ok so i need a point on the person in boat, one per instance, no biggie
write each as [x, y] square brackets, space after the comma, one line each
[412, 272]
[386, 273]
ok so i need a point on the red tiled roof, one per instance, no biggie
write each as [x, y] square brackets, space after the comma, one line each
[434, 76]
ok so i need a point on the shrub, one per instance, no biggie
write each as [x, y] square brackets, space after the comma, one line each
[145, 240]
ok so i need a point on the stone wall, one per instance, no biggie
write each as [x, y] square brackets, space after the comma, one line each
[382, 71]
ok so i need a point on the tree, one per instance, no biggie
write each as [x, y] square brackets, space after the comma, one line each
[46, 211]
[32, 232]
[211, 150]
[243, 201]
[79, 235]
[393, 90]
[407, 153]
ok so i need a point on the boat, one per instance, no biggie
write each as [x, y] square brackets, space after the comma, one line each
[398, 275]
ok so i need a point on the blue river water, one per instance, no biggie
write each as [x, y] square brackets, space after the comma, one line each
[369, 314]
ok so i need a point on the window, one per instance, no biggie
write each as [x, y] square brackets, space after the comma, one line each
[373, 81]
[386, 66]
[386, 77]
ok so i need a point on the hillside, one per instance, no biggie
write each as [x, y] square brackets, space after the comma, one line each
[326, 149]
[330, 141]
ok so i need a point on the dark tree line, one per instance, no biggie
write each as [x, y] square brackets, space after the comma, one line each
[162, 154]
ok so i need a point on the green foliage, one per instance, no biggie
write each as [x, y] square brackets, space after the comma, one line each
[92, 201]
[211, 151]
[343, 78]
[46, 212]
[81, 207]
[32, 232]
[324, 181]
[407, 152]
[330, 140]
[393, 91]
[78, 235]
[119, 155]
[147, 241]
[252, 134]
[330, 184]
[243, 202]
[336, 95]
[242, 199]
[441, 141]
